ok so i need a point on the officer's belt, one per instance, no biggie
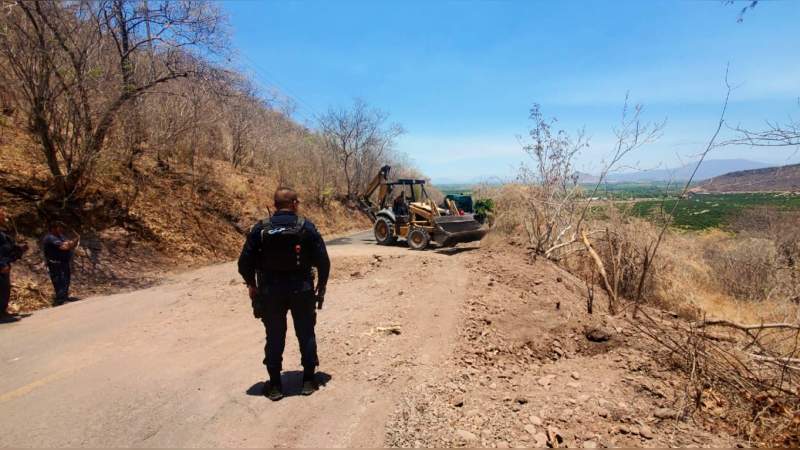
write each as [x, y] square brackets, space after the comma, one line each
[288, 276]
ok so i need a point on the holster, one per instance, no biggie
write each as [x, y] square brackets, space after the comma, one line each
[259, 302]
[258, 306]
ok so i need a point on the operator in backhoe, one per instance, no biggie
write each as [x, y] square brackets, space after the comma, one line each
[399, 205]
[276, 263]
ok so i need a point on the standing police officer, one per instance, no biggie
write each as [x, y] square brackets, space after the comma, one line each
[276, 263]
[10, 251]
[58, 255]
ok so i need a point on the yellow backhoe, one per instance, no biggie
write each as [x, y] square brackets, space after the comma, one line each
[404, 210]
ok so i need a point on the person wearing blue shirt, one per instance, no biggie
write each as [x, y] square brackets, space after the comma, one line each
[10, 252]
[277, 263]
[58, 252]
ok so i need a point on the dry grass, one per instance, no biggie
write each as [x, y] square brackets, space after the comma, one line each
[746, 275]
[509, 202]
[745, 381]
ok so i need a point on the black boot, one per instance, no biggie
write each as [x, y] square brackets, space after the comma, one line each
[309, 382]
[273, 391]
[7, 317]
[273, 388]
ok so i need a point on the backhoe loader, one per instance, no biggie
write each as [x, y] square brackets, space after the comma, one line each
[404, 210]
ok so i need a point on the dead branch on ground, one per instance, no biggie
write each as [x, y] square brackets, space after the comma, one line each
[758, 393]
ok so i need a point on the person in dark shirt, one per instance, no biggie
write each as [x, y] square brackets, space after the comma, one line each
[281, 280]
[400, 206]
[10, 252]
[58, 252]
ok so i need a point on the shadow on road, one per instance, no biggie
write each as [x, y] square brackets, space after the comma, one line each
[69, 300]
[13, 318]
[450, 251]
[366, 238]
[292, 383]
[361, 238]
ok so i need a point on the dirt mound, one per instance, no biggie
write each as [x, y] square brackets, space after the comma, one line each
[533, 368]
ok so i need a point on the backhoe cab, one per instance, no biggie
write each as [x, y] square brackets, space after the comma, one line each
[404, 210]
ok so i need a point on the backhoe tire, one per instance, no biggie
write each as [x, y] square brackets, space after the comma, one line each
[384, 231]
[418, 239]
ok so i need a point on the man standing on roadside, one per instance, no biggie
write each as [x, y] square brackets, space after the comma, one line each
[276, 264]
[58, 255]
[10, 251]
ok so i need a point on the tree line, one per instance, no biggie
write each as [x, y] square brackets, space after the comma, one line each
[124, 83]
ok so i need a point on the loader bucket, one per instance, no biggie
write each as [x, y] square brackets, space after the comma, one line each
[456, 229]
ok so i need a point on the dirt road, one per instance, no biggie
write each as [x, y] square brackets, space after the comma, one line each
[179, 364]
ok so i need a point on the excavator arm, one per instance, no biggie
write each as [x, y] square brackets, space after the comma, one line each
[378, 183]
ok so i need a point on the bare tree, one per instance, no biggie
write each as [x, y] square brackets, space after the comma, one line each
[139, 29]
[56, 55]
[243, 110]
[552, 182]
[748, 5]
[360, 138]
[558, 207]
[772, 135]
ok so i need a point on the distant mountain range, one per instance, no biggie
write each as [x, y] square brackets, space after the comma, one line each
[771, 179]
[471, 181]
[709, 169]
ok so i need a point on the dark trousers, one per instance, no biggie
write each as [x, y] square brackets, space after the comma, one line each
[304, 315]
[5, 291]
[60, 276]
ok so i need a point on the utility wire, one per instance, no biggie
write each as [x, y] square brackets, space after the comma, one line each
[262, 75]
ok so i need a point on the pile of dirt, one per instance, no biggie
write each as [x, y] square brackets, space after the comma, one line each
[533, 368]
[135, 225]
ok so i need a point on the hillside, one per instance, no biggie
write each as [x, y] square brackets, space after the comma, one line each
[135, 227]
[770, 179]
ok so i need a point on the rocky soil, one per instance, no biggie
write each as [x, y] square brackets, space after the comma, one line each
[533, 369]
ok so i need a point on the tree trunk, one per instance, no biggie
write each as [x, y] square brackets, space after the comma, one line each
[135, 138]
[40, 128]
[347, 176]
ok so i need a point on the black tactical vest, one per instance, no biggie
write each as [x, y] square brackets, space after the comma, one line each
[286, 248]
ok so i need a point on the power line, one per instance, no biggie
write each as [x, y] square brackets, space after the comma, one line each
[270, 80]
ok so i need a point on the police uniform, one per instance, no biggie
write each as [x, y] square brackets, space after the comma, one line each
[9, 252]
[58, 262]
[285, 289]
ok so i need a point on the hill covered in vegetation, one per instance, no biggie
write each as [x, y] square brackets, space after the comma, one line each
[770, 179]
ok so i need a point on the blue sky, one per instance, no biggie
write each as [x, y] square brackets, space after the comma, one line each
[461, 76]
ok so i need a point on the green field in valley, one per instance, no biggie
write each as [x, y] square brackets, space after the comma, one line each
[627, 191]
[698, 212]
[654, 200]
[448, 189]
[712, 210]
